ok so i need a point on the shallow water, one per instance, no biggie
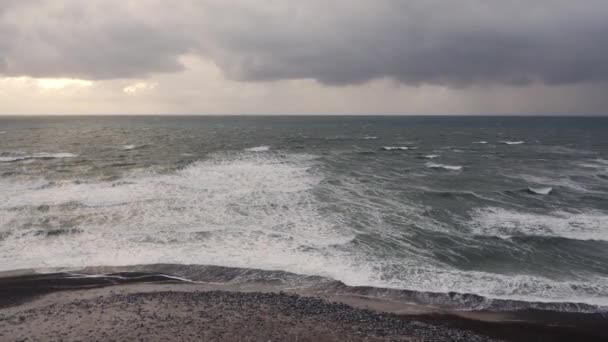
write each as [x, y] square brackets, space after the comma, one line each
[408, 203]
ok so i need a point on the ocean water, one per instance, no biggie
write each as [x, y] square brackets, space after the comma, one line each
[505, 208]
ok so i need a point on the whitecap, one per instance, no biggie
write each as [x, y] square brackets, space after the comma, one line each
[370, 138]
[601, 161]
[513, 142]
[563, 182]
[13, 158]
[395, 148]
[505, 223]
[128, 147]
[480, 142]
[187, 154]
[258, 149]
[259, 210]
[591, 166]
[45, 155]
[42, 155]
[540, 191]
[2, 132]
[442, 166]
[431, 156]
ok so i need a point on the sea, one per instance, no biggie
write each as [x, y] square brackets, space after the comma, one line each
[469, 212]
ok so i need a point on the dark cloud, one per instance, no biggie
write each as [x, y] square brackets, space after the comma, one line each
[451, 42]
[82, 39]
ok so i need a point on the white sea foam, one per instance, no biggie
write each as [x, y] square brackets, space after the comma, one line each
[480, 142]
[3, 132]
[42, 155]
[431, 156]
[13, 158]
[601, 161]
[513, 142]
[512, 287]
[250, 211]
[247, 210]
[541, 191]
[128, 147]
[507, 223]
[443, 166]
[597, 163]
[547, 181]
[591, 166]
[258, 149]
[395, 148]
[370, 138]
[45, 155]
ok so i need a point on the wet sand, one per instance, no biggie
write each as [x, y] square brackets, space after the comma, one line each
[165, 310]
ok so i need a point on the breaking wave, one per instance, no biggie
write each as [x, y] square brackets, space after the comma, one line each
[509, 223]
[258, 149]
[443, 166]
[13, 157]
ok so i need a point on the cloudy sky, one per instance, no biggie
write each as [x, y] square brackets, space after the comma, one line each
[300, 57]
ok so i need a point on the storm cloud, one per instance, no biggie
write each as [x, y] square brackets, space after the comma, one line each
[453, 43]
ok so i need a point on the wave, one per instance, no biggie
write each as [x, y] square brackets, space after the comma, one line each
[564, 182]
[246, 210]
[507, 223]
[43, 155]
[258, 206]
[443, 166]
[594, 164]
[431, 156]
[45, 280]
[395, 148]
[480, 142]
[540, 191]
[513, 142]
[370, 138]
[128, 147]
[258, 149]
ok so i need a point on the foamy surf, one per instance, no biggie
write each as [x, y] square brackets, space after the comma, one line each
[352, 212]
[241, 212]
[509, 223]
[513, 142]
[444, 167]
[128, 147]
[42, 155]
[395, 148]
[258, 149]
[540, 191]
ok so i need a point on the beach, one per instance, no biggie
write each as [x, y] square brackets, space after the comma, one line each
[156, 309]
[251, 228]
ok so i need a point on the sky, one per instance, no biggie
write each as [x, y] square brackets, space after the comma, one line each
[304, 57]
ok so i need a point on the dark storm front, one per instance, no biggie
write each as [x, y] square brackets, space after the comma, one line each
[503, 207]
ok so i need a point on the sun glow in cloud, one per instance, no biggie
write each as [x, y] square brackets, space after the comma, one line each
[139, 86]
[61, 83]
[45, 83]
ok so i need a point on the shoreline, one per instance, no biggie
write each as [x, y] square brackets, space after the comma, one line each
[74, 308]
